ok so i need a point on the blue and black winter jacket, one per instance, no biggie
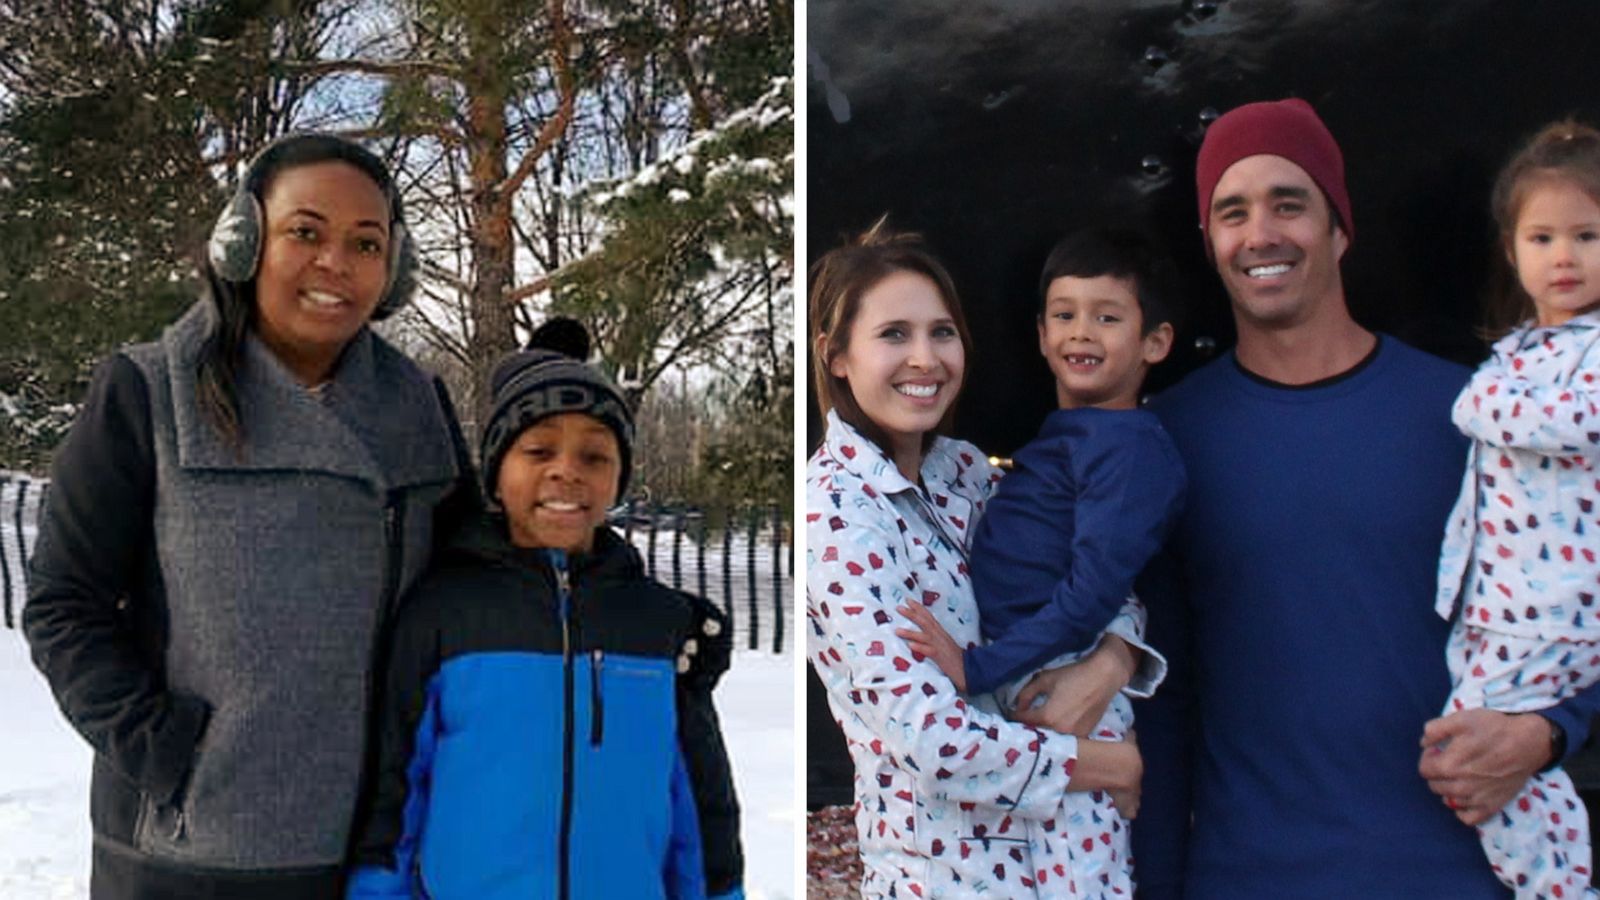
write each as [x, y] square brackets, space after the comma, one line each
[537, 740]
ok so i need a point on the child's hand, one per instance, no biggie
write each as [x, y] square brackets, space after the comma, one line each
[705, 655]
[934, 643]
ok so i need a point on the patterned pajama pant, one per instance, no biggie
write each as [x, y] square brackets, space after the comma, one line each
[1538, 844]
[1082, 852]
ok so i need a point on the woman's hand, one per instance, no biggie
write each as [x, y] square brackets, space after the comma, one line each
[1114, 767]
[1126, 799]
[1077, 695]
[934, 643]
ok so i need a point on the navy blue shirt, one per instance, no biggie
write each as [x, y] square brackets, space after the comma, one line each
[1090, 500]
[1295, 609]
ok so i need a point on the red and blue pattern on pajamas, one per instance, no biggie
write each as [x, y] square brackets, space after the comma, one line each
[950, 796]
[1519, 555]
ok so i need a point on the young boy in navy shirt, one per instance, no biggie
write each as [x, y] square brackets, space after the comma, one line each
[1089, 502]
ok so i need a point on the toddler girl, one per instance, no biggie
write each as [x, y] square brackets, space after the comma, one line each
[1520, 546]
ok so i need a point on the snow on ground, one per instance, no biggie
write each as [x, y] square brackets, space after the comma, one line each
[44, 779]
[44, 787]
[756, 703]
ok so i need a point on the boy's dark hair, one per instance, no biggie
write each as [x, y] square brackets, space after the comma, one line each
[1121, 253]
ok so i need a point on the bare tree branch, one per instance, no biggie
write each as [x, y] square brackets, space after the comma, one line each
[566, 85]
[536, 286]
[445, 276]
[397, 68]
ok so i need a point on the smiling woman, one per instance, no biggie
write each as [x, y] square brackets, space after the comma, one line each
[890, 508]
[324, 264]
[904, 360]
[232, 516]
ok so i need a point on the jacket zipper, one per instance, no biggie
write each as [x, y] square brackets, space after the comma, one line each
[597, 715]
[416, 876]
[569, 718]
[393, 558]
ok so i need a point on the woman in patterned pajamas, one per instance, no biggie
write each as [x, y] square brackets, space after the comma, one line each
[949, 794]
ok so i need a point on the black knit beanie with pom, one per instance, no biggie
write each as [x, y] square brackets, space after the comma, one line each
[547, 377]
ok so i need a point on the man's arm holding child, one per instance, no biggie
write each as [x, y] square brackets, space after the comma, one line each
[1477, 760]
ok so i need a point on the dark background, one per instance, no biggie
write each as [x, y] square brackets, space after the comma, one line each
[993, 127]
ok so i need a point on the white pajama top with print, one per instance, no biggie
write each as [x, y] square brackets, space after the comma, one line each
[947, 791]
[1520, 547]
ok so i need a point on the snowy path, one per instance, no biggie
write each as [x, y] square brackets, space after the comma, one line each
[44, 775]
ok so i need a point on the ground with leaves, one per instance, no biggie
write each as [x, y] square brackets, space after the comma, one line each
[833, 866]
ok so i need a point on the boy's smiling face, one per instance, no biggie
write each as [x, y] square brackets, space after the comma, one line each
[558, 479]
[1089, 334]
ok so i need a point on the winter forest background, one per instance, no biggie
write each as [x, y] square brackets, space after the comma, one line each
[628, 163]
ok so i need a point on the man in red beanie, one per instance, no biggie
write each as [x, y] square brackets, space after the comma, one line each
[1295, 601]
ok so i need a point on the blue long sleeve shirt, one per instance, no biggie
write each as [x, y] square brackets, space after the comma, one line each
[1090, 500]
[1294, 605]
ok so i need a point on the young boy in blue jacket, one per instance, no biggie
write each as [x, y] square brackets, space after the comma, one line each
[547, 729]
[1088, 503]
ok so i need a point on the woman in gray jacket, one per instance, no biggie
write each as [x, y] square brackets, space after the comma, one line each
[232, 516]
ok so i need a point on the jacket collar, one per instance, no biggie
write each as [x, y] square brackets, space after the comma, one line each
[483, 538]
[1531, 333]
[378, 419]
[939, 464]
[945, 497]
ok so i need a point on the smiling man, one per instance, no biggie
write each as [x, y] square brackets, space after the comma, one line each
[1294, 601]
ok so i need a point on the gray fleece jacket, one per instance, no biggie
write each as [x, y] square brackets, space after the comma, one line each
[240, 599]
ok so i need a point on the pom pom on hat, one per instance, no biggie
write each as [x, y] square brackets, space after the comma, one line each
[563, 335]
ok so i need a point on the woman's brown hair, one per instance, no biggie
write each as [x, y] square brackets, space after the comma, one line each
[1565, 152]
[838, 282]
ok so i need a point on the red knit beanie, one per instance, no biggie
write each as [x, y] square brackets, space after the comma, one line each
[1286, 128]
